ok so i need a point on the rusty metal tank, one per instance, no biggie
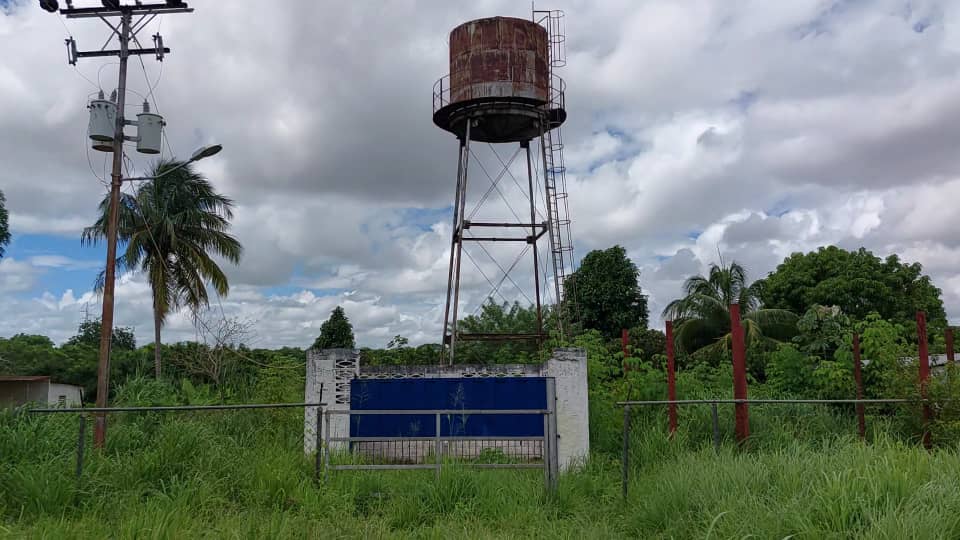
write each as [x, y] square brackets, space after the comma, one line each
[499, 57]
[499, 78]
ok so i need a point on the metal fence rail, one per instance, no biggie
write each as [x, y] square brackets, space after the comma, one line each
[86, 410]
[715, 417]
[530, 452]
[83, 412]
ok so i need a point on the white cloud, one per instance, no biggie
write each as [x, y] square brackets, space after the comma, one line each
[15, 276]
[751, 128]
[59, 261]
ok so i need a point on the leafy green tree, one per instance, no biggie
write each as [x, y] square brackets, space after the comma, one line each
[702, 316]
[823, 330]
[789, 371]
[504, 318]
[336, 332]
[172, 226]
[4, 226]
[606, 292]
[646, 343]
[400, 353]
[72, 363]
[857, 281]
[89, 334]
[884, 344]
[833, 379]
[29, 354]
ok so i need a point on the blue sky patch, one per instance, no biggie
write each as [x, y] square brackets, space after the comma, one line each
[61, 261]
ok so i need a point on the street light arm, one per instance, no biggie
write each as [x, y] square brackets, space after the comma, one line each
[164, 173]
[203, 152]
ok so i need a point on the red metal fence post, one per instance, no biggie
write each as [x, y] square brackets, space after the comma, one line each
[858, 377]
[924, 373]
[739, 375]
[624, 341]
[949, 339]
[671, 380]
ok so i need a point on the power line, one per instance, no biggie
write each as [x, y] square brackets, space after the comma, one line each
[125, 32]
[102, 179]
[100, 71]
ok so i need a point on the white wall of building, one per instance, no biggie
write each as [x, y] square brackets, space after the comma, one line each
[68, 394]
[335, 368]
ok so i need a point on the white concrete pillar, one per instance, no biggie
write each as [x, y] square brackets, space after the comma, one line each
[568, 367]
[332, 370]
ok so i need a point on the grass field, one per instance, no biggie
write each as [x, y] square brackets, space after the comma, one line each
[242, 475]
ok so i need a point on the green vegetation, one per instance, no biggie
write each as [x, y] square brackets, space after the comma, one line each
[336, 332]
[858, 282]
[703, 314]
[494, 318]
[802, 474]
[172, 226]
[607, 292]
[88, 334]
[243, 474]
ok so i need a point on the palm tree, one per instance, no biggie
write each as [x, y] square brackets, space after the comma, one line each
[703, 314]
[170, 227]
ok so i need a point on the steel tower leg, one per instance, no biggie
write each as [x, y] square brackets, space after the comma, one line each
[458, 244]
[533, 245]
[453, 244]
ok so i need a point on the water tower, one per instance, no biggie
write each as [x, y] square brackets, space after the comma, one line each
[502, 90]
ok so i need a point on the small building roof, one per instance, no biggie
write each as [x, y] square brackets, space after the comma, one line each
[24, 378]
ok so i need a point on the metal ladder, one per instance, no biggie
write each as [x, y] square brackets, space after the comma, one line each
[561, 237]
[555, 179]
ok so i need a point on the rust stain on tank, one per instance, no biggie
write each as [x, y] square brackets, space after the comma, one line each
[499, 57]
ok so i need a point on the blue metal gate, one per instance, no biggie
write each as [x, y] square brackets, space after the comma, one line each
[448, 394]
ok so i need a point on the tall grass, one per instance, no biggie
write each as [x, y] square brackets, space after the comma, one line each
[242, 474]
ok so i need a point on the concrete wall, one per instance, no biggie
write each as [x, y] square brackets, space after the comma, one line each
[334, 368]
[72, 395]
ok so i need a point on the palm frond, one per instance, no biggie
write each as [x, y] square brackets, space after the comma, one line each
[703, 313]
[171, 227]
[778, 324]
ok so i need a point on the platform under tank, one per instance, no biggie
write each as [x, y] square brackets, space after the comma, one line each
[500, 78]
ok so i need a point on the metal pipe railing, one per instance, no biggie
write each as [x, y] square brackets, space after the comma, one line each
[764, 401]
[86, 410]
[439, 411]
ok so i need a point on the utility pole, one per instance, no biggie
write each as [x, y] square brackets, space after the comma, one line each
[124, 32]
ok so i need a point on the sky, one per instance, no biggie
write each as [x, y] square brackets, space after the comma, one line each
[696, 130]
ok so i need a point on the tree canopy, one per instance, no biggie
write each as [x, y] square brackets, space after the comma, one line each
[821, 331]
[504, 318]
[4, 225]
[858, 282]
[172, 226]
[336, 332]
[607, 292]
[702, 315]
[88, 333]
